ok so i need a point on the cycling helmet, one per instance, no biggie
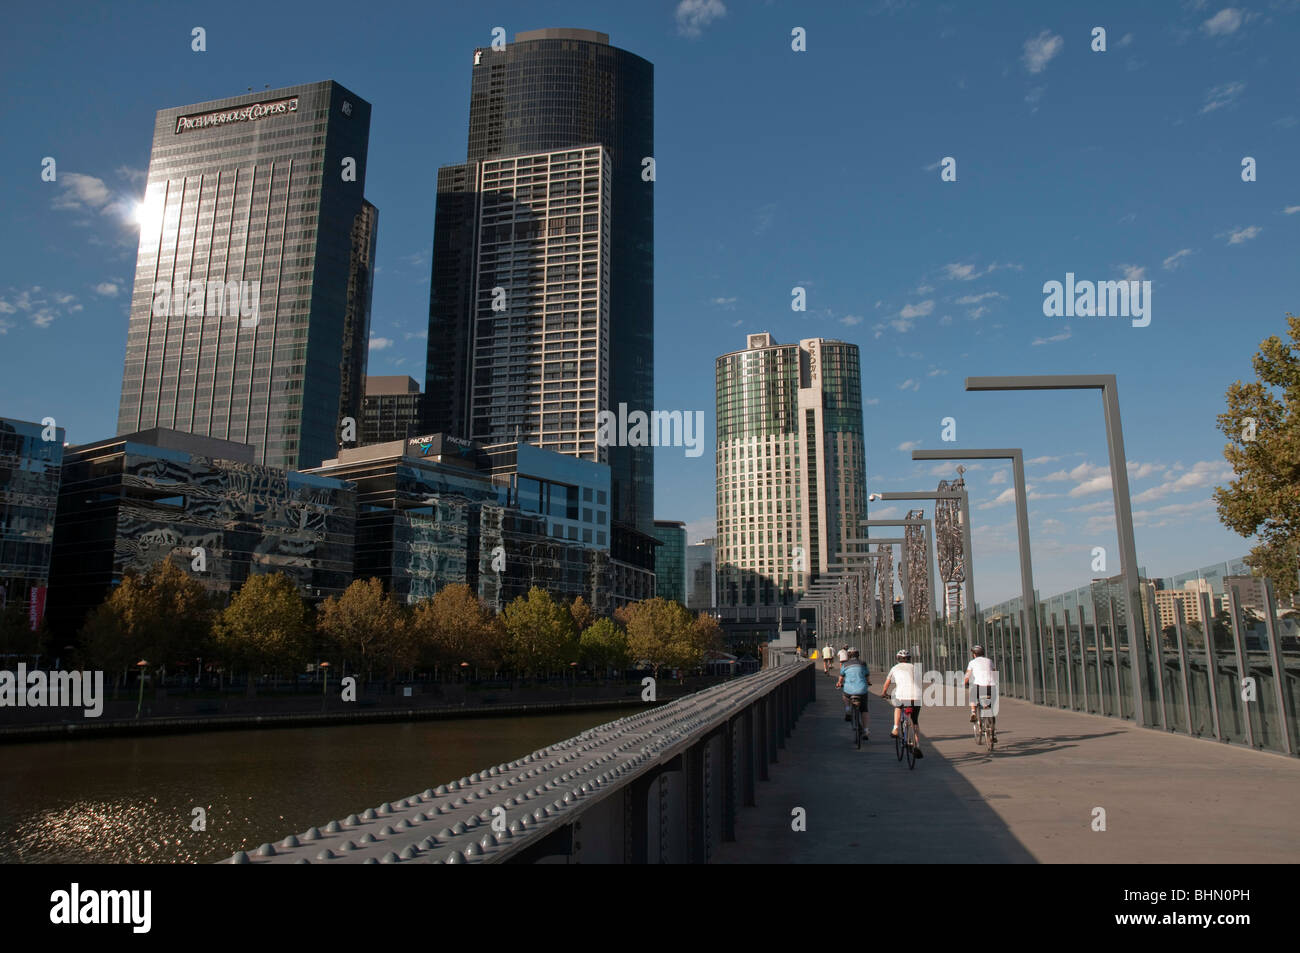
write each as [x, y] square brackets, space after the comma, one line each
[903, 655]
[977, 650]
[853, 653]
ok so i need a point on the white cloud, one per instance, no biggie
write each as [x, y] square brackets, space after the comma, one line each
[1173, 260]
[38, 308]
[1200, 474]
[1082, 472]
[81, 192]
[1291, 209]
[872, 401]
[976, 299]
[1238, 235]
[417, 334]
[379, 344]
[1036, 461]
[917, 310]
[1125, 40]
[1097, 484]
[694, 15]
[910, 384]
[1040, 49]
[909, 445]
[1140, 471]
[1063, 336]
[935, 372]
[1133, 272]
[727, 303]
[1222, 23]
[1006, 496]
[107, 289]
[958, 271]
[1225, 95]
[998, 478]
[851, 319]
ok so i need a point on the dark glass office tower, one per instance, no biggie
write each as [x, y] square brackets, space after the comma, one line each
[251, 312]
[552, 90]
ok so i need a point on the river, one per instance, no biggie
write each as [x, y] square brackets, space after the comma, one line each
[132, 800]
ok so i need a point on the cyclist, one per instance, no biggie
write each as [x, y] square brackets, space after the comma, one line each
[826, 658]
[843, 655]
[981, 669]
[902, 677]
[855, 679]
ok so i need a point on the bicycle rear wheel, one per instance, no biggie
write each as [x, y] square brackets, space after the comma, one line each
[992, 732]
[857, 726]
[911, 748]
[899, 739]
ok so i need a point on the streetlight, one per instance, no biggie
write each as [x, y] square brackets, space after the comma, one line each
[1123, 506]
[141, 665]
[1031, 637]
[325, 684]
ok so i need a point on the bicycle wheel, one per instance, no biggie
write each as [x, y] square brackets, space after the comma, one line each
[993, 733]
[857, 727]
[899, 738]
[979, 729]
[911, 749]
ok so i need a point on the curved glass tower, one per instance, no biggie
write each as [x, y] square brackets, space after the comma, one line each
[505, 226]
[791, 466]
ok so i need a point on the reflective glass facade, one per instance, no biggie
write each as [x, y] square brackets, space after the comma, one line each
[30, 472]
[129, 502]
[791, 465]
[670, 561]
[555, 90]
[391, 410]
[265, 189]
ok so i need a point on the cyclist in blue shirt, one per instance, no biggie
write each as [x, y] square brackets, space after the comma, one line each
[855, 679]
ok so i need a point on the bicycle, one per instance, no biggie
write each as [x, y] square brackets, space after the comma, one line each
[858, 703]
[986, 722]
[905, 740]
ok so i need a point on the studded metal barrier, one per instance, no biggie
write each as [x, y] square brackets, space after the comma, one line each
[659, 787]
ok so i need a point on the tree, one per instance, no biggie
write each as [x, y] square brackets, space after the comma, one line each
[161, 616]
[541, 634]
[1263, 428]
[367, 626]
[582, 614]
[705, 637]
[602, 646]
[16, 635]
[454, 627]
[265, 626]
[659, 633]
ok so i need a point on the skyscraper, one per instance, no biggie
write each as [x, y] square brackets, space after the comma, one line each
[541, 311]
[791, 465]
[251, 311]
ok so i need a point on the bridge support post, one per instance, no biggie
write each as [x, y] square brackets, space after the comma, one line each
[1279, 670]
[1182, 665]
[1242, 672]
[1211, 666]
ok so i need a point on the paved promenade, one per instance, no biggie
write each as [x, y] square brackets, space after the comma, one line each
[1167, 798]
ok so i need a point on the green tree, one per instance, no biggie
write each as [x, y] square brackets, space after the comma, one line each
[368, 627]
[705, 637]
[602, 646]
[1263, 426]
[265, 627]
[454, 627]
[541, 634]
[659, 633]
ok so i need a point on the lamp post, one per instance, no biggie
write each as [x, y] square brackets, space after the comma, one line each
[325, 684]
[142, 665]
[1123, 506]
[929, 557]
[1032, 641]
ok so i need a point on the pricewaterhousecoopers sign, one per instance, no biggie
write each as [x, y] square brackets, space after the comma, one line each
[242, 114]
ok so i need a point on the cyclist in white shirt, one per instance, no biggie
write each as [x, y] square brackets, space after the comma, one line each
[827, 653]
[843, 656]
[907, 693]
[981, 670]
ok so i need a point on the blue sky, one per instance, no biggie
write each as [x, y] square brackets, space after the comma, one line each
[775, 169]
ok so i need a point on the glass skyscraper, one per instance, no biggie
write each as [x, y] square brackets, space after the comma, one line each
[791, 466]
[554, 206]
[251, 311]
[670, 560]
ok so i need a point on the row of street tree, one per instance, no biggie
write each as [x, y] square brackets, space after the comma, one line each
[165, 616]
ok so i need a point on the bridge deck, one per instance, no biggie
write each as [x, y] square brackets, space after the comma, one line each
[1167, 798]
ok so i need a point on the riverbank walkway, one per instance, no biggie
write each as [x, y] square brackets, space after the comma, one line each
[1167, 798]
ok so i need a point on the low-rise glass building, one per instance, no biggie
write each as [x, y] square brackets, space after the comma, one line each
[129, 501]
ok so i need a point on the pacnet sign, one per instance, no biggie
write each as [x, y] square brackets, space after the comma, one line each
[241, 114]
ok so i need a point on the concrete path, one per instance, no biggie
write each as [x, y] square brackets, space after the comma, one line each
[1167, 798]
